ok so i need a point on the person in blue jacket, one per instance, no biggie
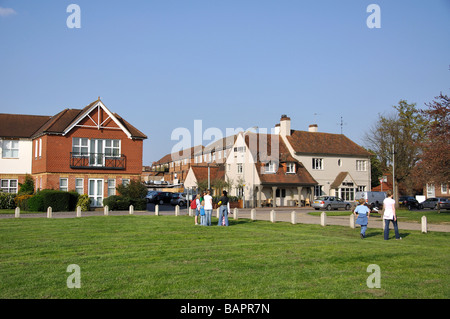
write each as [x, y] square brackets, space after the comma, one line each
[363, 213]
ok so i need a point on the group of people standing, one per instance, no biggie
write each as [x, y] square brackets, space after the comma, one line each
[203, 205]
[388, 212]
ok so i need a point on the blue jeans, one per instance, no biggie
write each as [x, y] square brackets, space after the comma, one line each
[363, 230]
[208, 213]
[386, 228]
[223, 211]
[203, 220]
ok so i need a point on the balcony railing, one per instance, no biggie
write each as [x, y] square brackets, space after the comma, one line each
[97, 161]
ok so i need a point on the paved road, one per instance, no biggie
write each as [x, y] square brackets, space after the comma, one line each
[283, 214]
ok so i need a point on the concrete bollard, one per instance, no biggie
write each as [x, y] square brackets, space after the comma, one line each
[17, 212]
[323, 219]
[190, 211]
[49, 212]
[293, 217]
[177, 210]
[253, 214]
[131, 209]
[352, 221]
[78, 211]
[106, 210]
[424, 224]
[235, 213]
[273, 216]
[218, 212]
[157, 210]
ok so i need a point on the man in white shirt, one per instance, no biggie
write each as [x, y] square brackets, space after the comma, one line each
[389, 215]
[208, 207]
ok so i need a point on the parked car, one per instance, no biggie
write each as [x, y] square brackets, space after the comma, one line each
[162, 197]
[409, 202]
[178, 199]
[150, 197]
[330, 202]
[432, 203]
[373, 199]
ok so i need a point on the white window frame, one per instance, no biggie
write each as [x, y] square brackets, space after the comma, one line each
[9, 188]
[240, 168]
[36, 149]
[40, 148]
[270, 167]
[66, 187]
[80, 146]
[290, 168]
[361, 165]
[111, 187]
[317, 164]
[444, 188]
[10, 146]
[79, 189]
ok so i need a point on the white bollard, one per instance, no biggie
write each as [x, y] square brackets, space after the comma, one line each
[293, 217]
[218, 212]
[253, 214]
[157, 210]
[190, 211]
[235, 213]
[177, 210]
[352, 221]
[424, 224]
[323, 219]
[273, 216]
[131, 209]
[49, 212]
[17, 212]
[106, 210]
[78, 211]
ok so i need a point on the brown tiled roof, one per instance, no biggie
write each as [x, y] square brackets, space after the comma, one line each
[189, 153]
[58, 123]
[339, 179]
[324, 143]
[223, 143]
[301, 177]
[215, 172]
[20, 125]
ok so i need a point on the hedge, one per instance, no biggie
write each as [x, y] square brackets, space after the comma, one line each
[60, 201]
[7, 201]
[118, 202]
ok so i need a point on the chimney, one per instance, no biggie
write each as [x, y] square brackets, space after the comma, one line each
[285, 125]
[312, 128]
[277, 129]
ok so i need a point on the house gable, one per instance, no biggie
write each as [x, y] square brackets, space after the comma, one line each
[97, 116]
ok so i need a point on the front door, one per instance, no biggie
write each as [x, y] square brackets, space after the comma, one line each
[96, 192]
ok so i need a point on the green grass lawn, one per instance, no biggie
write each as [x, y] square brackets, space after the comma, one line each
[169, 257]
[433, 216]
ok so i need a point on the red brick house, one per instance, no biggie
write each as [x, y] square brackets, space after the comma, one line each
[89, 150]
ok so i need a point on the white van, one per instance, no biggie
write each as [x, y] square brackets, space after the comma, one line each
[374, 199]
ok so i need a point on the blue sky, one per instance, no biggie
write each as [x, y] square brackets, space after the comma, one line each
[235, 63]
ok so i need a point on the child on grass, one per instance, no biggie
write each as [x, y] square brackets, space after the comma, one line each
[363, 213]
[202, 213]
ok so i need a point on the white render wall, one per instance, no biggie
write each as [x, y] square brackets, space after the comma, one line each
[20, 165]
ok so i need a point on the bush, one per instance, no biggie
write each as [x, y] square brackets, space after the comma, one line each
[117, 202]
[59, 201]
[84, 202]
[134, 189]
[7, 201]
[22, 201]
[27, 188]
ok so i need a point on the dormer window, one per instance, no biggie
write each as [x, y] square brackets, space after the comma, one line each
[290, 168]
[270, 167]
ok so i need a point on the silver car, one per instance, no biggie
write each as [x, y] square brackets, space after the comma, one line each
[330, 202]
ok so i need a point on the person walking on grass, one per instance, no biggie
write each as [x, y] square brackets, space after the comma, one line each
[223, 210]
[208, 208]
[389, 214]
[363, 213]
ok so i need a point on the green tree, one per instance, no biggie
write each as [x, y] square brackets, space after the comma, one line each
[395, 140]
[434, 162]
